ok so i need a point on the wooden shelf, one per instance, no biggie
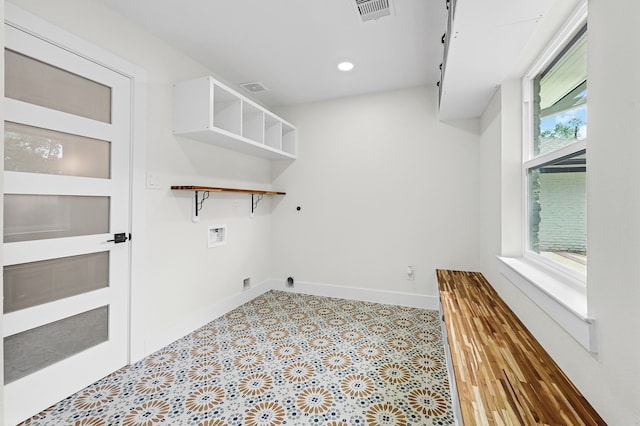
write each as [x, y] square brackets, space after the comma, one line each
[197, 204]
[208, 111]
[216, 189]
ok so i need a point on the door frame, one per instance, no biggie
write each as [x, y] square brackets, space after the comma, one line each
[42, 29]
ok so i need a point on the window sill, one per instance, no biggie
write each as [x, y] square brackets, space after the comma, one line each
[563, 298]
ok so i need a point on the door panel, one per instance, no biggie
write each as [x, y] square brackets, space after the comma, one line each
[67, 189]
[30, 217]
[34, 283]
[70, 92]
[35, 150]
[33, 350]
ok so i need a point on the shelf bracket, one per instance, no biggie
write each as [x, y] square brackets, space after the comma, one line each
[197, 205]
[201, 193]
[255, 199]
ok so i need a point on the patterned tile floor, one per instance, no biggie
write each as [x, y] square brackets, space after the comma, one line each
[282, 358]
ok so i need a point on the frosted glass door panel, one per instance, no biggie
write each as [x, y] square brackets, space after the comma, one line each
[40, 347]
[35, 82]
[67, 191]
[35, 150]
[34, 283]
[39, 217]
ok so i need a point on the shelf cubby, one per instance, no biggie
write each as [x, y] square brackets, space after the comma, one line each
[206, 110]
[289, 144]
[272, 132]
[226, 110]
[252, 122]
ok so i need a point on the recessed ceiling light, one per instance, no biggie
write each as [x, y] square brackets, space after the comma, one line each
[345, 66]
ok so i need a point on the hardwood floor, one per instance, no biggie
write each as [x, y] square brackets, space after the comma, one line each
[503, 374]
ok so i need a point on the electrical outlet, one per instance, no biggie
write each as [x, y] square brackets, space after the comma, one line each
[411, 274]
[290, 282]
[246, 283]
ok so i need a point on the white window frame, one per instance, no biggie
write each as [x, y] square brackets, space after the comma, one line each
[558, 291]
[529, 161]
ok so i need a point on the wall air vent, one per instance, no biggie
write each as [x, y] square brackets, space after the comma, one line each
[370, 10]
[254, 87]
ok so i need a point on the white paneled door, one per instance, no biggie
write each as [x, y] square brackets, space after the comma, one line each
[66, 223]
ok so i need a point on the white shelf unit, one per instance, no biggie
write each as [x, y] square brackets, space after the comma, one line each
[206, 110]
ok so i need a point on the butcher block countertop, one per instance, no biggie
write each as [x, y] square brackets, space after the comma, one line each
[503, 375]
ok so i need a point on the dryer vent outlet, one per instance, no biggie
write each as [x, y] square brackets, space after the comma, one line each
[290, 282]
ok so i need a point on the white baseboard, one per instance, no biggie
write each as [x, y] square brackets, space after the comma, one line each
[203, 317]
[217, 309]
[413, 300]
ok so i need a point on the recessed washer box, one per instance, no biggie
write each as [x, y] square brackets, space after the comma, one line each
[217, 235]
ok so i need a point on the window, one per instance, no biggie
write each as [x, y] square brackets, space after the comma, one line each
[555, 156]
[552, 270]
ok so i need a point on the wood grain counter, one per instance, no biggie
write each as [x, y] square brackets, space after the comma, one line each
[503, 375]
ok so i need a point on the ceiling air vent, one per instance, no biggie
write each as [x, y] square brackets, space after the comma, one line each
[254, 87]
[373, 9]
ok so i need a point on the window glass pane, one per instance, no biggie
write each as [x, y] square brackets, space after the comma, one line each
[560, 99]
[35, 150]
[557, 211]
[35, 82]
[35, 349]
[35, 283]
[37, 217]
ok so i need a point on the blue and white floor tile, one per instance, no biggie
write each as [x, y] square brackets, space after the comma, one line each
[281, 359]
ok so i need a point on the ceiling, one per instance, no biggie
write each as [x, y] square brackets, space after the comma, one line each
[293, 46]
[486, 40]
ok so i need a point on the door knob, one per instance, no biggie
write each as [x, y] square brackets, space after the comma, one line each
[119, 238]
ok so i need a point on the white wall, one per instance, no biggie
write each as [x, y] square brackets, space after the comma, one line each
[613, 195]
[382, 184]
[609, 379]
[183, 276]
[489, 181]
